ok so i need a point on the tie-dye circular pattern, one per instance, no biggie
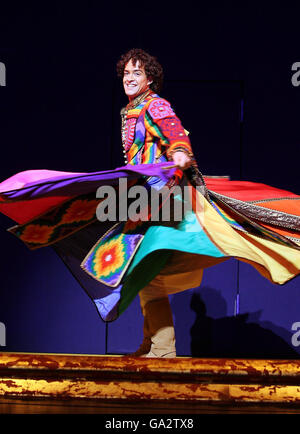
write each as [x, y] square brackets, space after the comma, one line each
[107, 262]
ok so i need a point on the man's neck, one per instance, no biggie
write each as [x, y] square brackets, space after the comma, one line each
[139, 98]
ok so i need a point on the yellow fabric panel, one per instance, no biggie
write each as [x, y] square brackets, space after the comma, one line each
[281, 262]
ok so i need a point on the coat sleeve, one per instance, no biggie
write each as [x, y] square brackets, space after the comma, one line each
[162, 122]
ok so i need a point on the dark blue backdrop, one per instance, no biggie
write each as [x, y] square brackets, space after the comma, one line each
[228, 76]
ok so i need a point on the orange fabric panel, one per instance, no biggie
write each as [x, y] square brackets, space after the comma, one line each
[284, 205]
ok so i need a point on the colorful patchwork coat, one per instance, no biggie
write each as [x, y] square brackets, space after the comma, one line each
[251, 222]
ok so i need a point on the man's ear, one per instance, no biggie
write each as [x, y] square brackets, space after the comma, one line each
[149, 81]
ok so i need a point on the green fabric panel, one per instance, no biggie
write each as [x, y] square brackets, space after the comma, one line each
[158, 244]
[143, 273]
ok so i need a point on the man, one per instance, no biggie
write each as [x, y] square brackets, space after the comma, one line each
[164, 139]
[238, 219]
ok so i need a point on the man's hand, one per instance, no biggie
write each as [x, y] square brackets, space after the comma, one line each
[181, 159]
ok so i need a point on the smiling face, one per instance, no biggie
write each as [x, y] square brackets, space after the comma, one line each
[135, 80]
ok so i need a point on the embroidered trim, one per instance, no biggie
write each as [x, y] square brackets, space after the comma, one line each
[256, 226]
[267, 215]
[273, 199]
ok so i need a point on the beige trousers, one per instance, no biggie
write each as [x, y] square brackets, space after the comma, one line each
[183, 271]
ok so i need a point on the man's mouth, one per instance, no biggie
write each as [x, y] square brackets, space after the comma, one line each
[131, 85]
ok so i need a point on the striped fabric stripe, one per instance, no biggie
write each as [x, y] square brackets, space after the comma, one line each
[153, 129]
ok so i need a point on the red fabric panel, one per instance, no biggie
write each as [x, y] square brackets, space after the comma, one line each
[24, 211]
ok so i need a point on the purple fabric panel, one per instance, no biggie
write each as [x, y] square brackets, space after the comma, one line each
[76, 184]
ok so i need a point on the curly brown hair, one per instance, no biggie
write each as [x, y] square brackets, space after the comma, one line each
[152, 67]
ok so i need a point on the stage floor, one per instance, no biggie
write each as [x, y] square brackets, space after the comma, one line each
[73, 406]
[60, 383]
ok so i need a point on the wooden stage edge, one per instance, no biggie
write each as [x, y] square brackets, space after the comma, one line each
[146, 384]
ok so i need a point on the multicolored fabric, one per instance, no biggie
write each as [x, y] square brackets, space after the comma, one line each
[242, 223]
[275, 210]
[252, 222]
[58, 223]
[160, 109]
[147, 144]
[213, 239]
[109, 259]
[134, 149]
[130, 133]
[167, 128]
[158, 132]
[132, 256]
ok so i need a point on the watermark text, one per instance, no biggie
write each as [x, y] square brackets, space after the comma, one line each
[141, 203]
[296, 336]
[2, 74]
[2, 335]
[296, 76]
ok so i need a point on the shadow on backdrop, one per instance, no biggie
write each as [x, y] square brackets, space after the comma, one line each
[240, 336]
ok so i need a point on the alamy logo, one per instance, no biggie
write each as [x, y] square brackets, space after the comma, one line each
[296, 336]
[139, 203]
[2, 74]
[2, 335]
[296, 76]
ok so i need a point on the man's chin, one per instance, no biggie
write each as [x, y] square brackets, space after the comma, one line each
[132, 95]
